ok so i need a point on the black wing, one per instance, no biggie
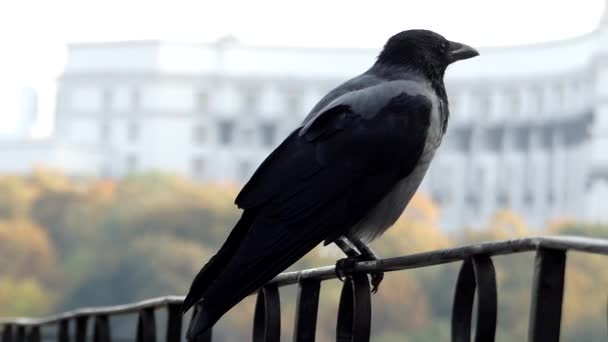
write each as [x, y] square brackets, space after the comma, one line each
[313, 187]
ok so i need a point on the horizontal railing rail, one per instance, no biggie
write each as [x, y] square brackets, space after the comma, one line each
[476, 278]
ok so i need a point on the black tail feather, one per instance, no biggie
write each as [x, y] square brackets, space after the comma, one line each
[200, 323]
[214, 266]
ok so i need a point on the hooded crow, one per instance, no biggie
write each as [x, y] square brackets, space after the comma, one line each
[347, 172]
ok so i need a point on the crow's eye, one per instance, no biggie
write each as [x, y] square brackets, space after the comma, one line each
[444, 47]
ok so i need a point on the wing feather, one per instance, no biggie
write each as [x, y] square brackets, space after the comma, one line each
[314, 187]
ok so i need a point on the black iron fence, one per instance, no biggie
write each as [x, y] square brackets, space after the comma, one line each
[476, 279]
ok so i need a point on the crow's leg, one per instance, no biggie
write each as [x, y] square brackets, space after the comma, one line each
[347, 247]
[368, 254]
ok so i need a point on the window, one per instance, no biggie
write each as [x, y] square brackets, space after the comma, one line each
[293, 104]
[560, 96]
[131, 163]
[454, 103]
[546, 139]
[534, 101]
[502, 200]
[133, 132]
[268, 133]
[244, 169]
[105, 171]
[106, 99]
[250, 102]
[459, 139]
[477, 181]
[202, 101]
[199, 134]
[550, 197]
[521, 137]
[528, 198]
[105, 131]
[513, 103]
[504, 178]
[226, 132]
[198, 167]
[442, 196]
[493, 138]
[135, 99]
[247, 136]
[484, 105]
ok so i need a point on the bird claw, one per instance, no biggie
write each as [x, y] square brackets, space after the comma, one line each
[339, 273]
[345, 266]
[376, 279]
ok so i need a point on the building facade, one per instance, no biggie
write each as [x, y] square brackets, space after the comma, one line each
[528, 128]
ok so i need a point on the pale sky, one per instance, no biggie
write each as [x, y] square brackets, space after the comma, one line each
[33, 34]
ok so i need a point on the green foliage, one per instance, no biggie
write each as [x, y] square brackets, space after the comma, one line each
[23, 297]
[67, 243]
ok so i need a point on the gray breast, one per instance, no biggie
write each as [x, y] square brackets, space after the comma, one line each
[388, 210]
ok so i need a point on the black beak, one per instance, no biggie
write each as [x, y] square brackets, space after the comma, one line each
[459, 51]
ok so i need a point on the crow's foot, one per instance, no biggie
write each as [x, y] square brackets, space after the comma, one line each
[345, 266]
[376, 279]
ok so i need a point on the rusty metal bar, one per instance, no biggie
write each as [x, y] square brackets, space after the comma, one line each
[146, 326]
[547, 295]
[101, 330]
[267, 317]
[305, 325]
[355, 310]
[476, 274]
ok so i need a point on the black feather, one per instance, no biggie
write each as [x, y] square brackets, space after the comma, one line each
[312, 188]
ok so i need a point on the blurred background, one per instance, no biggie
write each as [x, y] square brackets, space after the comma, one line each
[127, 128]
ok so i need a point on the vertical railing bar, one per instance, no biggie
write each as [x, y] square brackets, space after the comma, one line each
[462, 307]
[81, 328]
[63, 331]
[476, 275]
[547, 295]
[363, 308]
[354, 311]
[101, 330]
[307, 307]
[34, 334]
[20, 335]
[174, 323]
[146, 326]
[7, 333]
[259, 318]
[485, 278]
[344, 325]
[267, 316]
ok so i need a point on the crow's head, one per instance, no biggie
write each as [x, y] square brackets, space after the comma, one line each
[424, 50]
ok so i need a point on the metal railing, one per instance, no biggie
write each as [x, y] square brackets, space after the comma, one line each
[476, 278]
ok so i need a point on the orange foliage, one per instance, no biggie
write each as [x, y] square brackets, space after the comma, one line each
[25, 249]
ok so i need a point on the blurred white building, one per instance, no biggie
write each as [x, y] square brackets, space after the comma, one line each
[27, 112]
[528, 129]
